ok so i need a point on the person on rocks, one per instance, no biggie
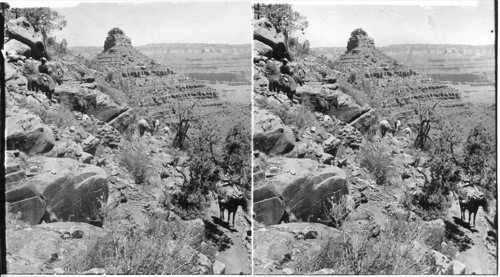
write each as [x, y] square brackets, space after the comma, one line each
[397, 125]
[43, 68]
[156, 124]
[385, 127]
[285, 68]
[143, 125]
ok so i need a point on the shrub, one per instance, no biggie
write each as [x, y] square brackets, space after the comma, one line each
[388, 252]
[302, 117]
[159, 248]
[338, 211]
[136, 161]
[377, 161]
[237, 157]
[435, 197]
[61, 117]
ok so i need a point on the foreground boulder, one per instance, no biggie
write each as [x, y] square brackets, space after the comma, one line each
[71, 191]
[306, 196]
[265, 32]
[271, 136]
[21, 30]
[27, 133]
[267, 205]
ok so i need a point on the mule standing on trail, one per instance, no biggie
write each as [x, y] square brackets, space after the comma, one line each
[472, 204]
[231, 204]
[229, 198]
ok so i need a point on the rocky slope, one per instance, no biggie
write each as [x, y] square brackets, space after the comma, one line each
[318, 207]
[73, 168]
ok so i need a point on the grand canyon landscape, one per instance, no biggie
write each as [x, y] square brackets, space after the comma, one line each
[370, 160]
[185, 151]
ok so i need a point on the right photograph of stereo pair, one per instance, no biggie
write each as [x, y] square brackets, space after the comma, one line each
[374, 139]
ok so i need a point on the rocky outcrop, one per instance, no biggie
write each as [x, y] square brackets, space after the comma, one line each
[306, 196]
[271, 136]
[267, 205]
[15, 47]
[21, 30]
[303, 186]
[262, 49]
[27, 133]
[363, 65]
[71, 191]
[264, 32]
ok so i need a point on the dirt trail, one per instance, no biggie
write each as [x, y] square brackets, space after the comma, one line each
[237, 257]
[477, 258]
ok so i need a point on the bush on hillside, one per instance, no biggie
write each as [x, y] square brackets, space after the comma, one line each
[362, 253]
[160, 248]
[376, 159]
[136, 161]
[301, 117]
[436, 197]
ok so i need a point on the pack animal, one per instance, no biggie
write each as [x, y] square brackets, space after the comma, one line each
[298, 76]
[472, 205]
[283, 82]
[231, 204]
[41, 82]
[57, 74]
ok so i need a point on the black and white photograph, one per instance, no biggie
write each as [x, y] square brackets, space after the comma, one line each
[374, 138]
[128, 138]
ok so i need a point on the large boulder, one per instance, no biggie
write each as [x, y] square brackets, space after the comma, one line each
[306, 149]
[306, 196]
[106, 109]
[124, 120]
[365, 121]
[271, 136]
[27, 133]
[72, 191]
[264, 32]
[348, 110]
[66, 148]
[17, 47]
[21, 30]
[267, 205]
[32, 208]
[290, 170]
[262, 49]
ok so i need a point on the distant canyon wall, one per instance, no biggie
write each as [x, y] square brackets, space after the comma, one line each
[441, 62]
[207, 62]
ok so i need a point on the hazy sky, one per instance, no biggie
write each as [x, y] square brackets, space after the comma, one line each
[228, 22]
[157, 22]
[332, 25]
